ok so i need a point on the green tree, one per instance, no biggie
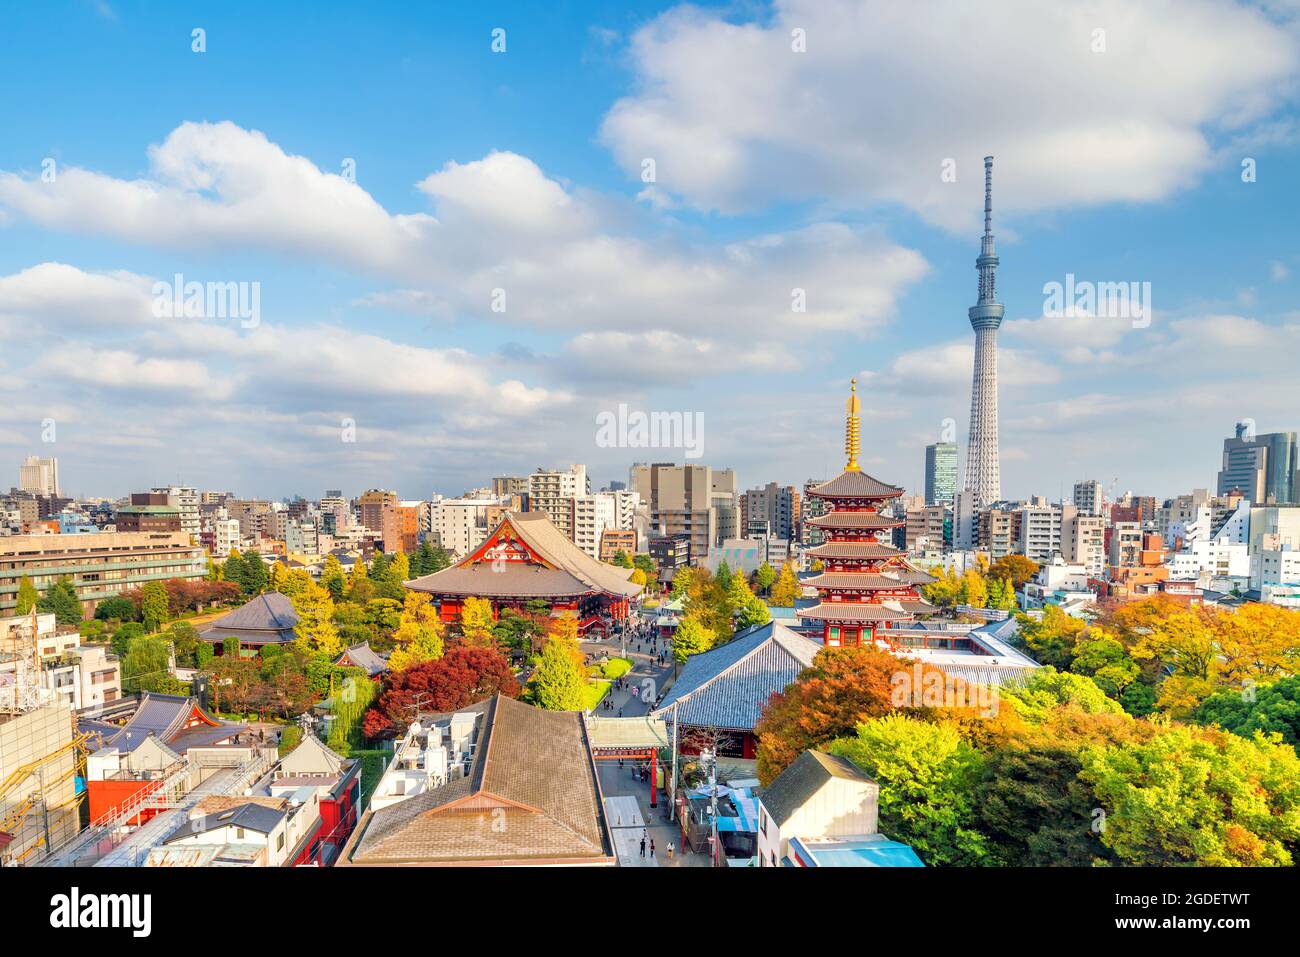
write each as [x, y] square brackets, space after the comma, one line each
[1102, 657]
[559, 682]
[691, 638]
[145, 666]
[621, 559]
[153, 605]
[235, 569]
[419, 634]
[945, 590]
[753, 612]
[1138, 699]
[1048, 689]
[682, 581]
[647, 566]
[926, 774]
[353, 693]
[1273, 708]
[332, 578]
[256, 574]
[115, 607]
[1051, 641]
[61, 600]
[765, 578]
[1192, 796]
[723, 575]
[27, 596]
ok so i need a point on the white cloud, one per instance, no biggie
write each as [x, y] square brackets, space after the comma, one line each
[736, 120]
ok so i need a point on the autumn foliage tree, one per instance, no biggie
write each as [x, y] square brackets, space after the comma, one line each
[842, 688]
[461, 677]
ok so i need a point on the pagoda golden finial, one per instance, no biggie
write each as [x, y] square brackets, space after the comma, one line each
[853, 429]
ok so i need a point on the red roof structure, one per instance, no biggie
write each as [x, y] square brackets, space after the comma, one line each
[866, 586]
[525, 559]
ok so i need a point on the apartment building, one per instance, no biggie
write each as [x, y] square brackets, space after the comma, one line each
[39, 476]
[99, 565]
[553, 491]
[592, 516]
[186, 502]
[693, 501]
[1083, 542]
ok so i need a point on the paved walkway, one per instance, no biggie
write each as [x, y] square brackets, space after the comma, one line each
[646, 677]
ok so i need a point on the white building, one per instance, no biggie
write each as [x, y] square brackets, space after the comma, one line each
[1083, 542]
[823, 806]
[1040, 532]
[39, 476]
[1088, 496]
[1210, 559]
[433, 751]
[463, 523]
[186, 501]
[553, 491]
[225, 536]
[592, 514]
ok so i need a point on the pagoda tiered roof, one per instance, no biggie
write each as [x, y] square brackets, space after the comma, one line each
[870, 581]
[855, 521]
[856, 611]
[854, 483]
[863, 550]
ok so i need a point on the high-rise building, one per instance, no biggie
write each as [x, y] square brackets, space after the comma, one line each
[1263, 467]
[688, 500]
[186, 502]
[773, 505]
[1088, 496]
[940, 473]
[39, 476]
[983, 467]
[552, 491]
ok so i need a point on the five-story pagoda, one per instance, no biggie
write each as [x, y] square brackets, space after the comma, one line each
[866, 587]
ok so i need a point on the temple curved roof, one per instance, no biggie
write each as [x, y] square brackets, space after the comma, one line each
[556, 567]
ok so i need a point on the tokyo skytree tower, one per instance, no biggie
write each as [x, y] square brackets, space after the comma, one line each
[983, 470]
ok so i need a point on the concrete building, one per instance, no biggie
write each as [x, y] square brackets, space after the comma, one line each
[186, 502]
[553, 491]
[464, 523]
[940, 473]
[148, 512]
[1083, 542]
[592, 516]
[773, 505]
[101, 565]
[1039, 532]
[39, 476]
[1088, 497]
[38, 764]
[694, 501]
[1264, 468]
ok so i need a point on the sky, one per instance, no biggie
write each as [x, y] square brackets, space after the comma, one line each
[470, 229]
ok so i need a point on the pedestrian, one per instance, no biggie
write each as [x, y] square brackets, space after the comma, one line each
[652, 847]
[643, 847]
[670, 850]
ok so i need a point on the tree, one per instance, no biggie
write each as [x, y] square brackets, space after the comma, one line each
[1047, 689]
[765, 578]
[723, 574]
[621, 559]
[1016, 569]
[145, 666]
[332, 578]
[460, 678]
[476, 622]
[842, 688]
[256, 575]
[926, 774]
[235, 569]
[753, 612]
[351, 701]
[1101, 656]
[1051, 641]
[61, 600]
[638, 577]
[787, 588]
[153, 605]
[419, 635]
[315, 631]
[1035, 811]
[1194, 796]
[560, 680]
[691, 638]
[1185, 643]
[647, 566]
[27, 596]
[1273, 708]
[974, 592]
[945, 590]
[682, 581]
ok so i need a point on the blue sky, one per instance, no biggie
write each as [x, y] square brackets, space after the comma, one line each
[520, 171]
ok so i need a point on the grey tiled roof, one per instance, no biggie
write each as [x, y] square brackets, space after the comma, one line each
[267, 619]
[855, 485]
[251, 817]
[531, 797]
[804, 778]
[728, 686]
[363, 656]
